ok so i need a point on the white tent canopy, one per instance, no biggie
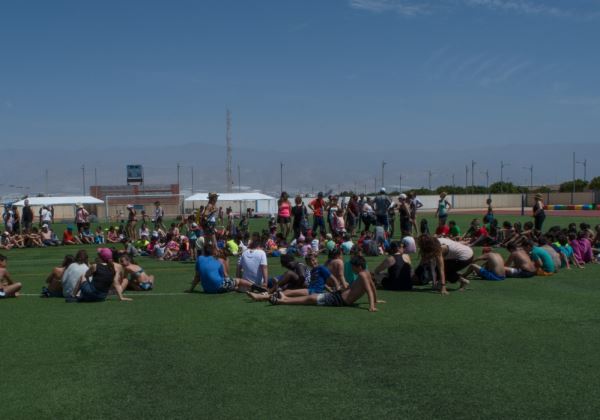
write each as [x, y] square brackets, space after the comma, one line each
[252, 196]
[60, 201]
[262, 203]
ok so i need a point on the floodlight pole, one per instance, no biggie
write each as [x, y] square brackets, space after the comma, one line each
[473, 163]
[383, 163]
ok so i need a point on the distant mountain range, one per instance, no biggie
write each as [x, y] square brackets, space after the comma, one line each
[328, 168]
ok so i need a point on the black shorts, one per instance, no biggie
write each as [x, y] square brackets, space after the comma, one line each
[283, 220]
[330, 299]
[452, 267]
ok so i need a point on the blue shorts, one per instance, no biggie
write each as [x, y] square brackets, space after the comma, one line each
[488, 275]
[146, 286]
[315, 290]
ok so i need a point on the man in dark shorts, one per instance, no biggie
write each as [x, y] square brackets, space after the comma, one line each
[362, 285]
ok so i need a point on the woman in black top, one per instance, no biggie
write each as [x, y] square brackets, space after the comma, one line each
[97, 282]
[300, 219]
[398, 266]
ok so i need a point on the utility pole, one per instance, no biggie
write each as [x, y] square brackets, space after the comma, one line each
[466, 177]
[574, 175]
[584, 164]
[502, 166]
[473, 163]
[530, 169]
[383, 163]
[429, 179]
[453, 183]
[192, 168]
[228, 146]
[83, 177]
[281, 177]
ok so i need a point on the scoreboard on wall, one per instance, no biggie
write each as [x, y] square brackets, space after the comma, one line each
[135, 174]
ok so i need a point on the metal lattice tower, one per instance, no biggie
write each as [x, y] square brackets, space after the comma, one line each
[229, 160]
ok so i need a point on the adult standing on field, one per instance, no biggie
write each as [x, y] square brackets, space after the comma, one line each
[539, 215]
[27, 217]
[414, 204]
[159, 214]
[442, 209]
[318, 206]
[284, 214]
[382, 203]
[131, 222]
[81, 218]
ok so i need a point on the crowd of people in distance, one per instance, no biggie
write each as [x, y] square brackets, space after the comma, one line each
[344, 230]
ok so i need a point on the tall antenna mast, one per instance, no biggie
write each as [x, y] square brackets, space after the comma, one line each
[228, 162]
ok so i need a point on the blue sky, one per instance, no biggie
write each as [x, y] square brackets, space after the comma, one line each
[338, 73]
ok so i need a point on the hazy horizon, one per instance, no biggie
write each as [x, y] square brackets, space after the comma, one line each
[329, 88]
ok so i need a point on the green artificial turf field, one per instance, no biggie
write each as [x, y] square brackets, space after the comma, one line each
[512, 349]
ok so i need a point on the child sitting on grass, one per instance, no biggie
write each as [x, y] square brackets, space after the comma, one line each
[363, 285]
[8, 287]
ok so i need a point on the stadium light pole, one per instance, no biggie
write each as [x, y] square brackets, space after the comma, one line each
[383, 163]
[473, 163]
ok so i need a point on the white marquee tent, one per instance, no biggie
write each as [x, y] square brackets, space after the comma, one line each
[261, 203]
[64, 207]
[60, 201]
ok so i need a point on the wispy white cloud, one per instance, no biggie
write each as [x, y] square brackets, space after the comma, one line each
[505, 73]
[521, 7]
[413, 8]
[483, 69]
[585, 101]
[402, 7]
